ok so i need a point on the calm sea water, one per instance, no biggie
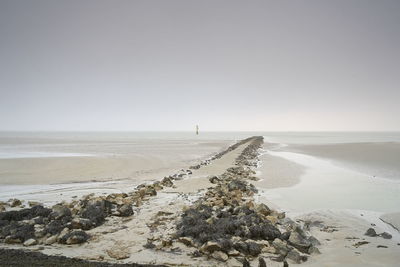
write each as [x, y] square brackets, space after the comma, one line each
[70, 144]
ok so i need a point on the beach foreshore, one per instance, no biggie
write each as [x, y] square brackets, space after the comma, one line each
[177, 222]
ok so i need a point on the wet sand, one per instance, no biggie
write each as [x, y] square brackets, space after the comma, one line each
[278, 172]
[144, 160]
[374, 159]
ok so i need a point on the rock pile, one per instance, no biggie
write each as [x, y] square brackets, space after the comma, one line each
[66, 223]
[226, 222]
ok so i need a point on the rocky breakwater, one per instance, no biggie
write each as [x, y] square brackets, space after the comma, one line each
[221, 154]
[67, 223]
[227, 223]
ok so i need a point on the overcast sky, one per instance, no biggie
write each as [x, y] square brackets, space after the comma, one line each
[225, 65]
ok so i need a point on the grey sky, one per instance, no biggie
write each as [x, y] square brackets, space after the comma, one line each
[227, 65]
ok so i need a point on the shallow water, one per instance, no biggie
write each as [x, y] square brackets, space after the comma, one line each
[326, 186]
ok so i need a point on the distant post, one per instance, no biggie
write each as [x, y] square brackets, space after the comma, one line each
[197, 129]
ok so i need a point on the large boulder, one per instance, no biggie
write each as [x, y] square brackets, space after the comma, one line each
[299, 241]
[96, 211]
[54, 227]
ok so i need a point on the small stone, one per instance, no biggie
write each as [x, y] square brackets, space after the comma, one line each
[233, 253]
[254, 248]
[214, 179]
[261, 262]
[30, 242]
[33, 203]
[166, 243]
[272, 219]
[295, 256]
[77, 237]
[370, 232]
[280, 246]
[386, 235]
[281, 215]
[125, 210]
[60, 211]
[186, 240]
[246, 263]
[313, 250]
[118, 253]
[314, 241]
[268, 249]
[12, 240]
[298, 241]
[285, 236]
[210, 247]
[14, 202]
[81, 223]
[51, 240]
[263, 209]
[149, 244]
[74, 237]
[219, 255]
[360, 243]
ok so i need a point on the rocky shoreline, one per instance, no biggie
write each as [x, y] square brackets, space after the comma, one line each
[227, 223]
[223, 223]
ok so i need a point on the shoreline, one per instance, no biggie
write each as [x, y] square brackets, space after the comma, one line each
[149, 235]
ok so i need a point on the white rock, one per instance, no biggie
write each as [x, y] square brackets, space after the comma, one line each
[30, 242]
[219, 255]
[50, 240]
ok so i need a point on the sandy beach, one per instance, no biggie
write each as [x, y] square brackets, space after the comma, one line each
[338, 231]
